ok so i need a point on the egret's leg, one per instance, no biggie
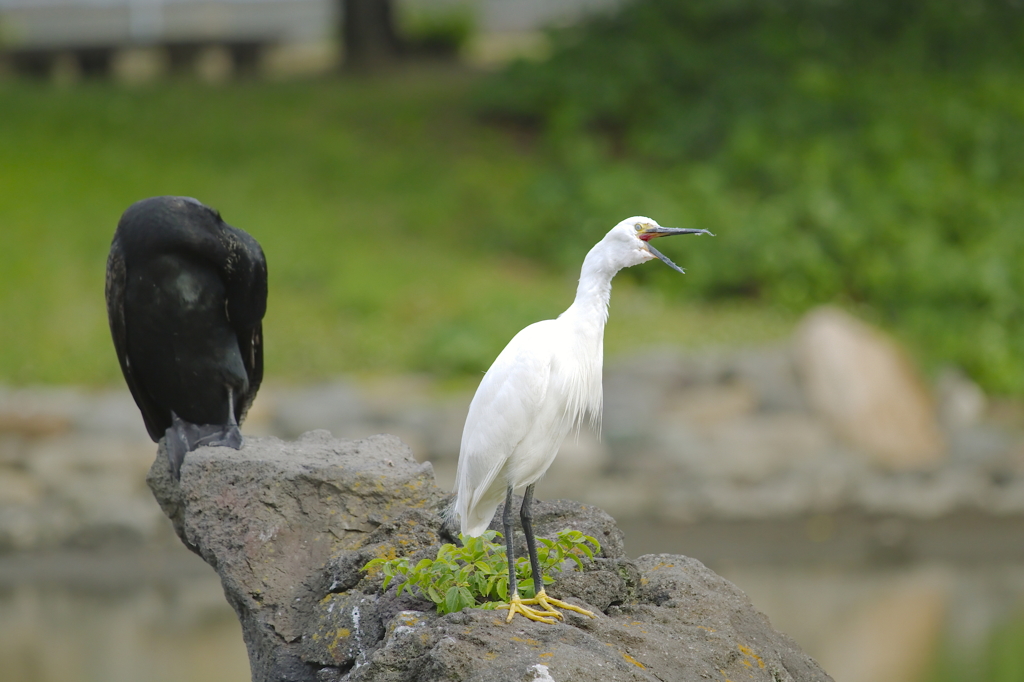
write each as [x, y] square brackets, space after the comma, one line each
[526, 516]
[541, 597]
[510, 552]
[515, 604]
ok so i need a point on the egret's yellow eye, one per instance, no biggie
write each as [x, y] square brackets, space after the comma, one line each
[639, 226]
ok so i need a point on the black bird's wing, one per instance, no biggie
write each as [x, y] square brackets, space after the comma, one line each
[157, 419]
[250, 343]
[243, 268]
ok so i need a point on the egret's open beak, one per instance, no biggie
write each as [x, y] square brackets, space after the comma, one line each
[653, 231]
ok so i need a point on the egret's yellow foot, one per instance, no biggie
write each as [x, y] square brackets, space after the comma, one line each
[547, 612]
[549, 604]
[517, 605]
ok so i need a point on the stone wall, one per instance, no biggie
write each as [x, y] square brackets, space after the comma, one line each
[747, 434]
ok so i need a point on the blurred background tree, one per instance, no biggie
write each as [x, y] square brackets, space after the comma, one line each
[867, 153]
[368, 33]
[373, 35]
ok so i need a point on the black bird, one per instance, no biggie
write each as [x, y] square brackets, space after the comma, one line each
[186, 295]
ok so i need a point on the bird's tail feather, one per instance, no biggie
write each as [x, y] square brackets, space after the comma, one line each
[479, 518]
[450, 517]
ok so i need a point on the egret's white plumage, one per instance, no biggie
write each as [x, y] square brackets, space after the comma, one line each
[544, 383]
[534, 393]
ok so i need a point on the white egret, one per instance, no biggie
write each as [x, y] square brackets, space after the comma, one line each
[546, 381]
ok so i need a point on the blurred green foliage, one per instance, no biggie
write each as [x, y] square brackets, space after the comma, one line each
[869, 153]
[442, 30]
[380, 204]
[999, 659]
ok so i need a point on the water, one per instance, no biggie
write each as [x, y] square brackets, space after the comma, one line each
[137, 616]
[873, 600]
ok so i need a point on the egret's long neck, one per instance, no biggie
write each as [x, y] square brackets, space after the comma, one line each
[590, 309]
[586, 318]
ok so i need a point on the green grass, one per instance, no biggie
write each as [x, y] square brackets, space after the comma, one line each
[388, 214]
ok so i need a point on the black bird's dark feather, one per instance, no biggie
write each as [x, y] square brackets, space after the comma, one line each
[186, 294]
[157, 419]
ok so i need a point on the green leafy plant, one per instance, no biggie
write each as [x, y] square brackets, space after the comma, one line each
[476, 574]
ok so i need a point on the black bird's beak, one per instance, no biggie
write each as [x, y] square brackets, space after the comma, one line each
[654, 231]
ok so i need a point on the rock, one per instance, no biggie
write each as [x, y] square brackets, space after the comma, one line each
[336, 407]
[580, 462]
[772, 372]
[961, 401]
[638, 385]
[45, 411]
[865, 386]
[288, 526]
[748, 449]
[709, 406]
[38, 411]
[409, 407]
[82, 490]
[270, 516]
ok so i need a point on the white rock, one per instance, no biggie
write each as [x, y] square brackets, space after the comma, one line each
[862, 383]
[962, 403]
